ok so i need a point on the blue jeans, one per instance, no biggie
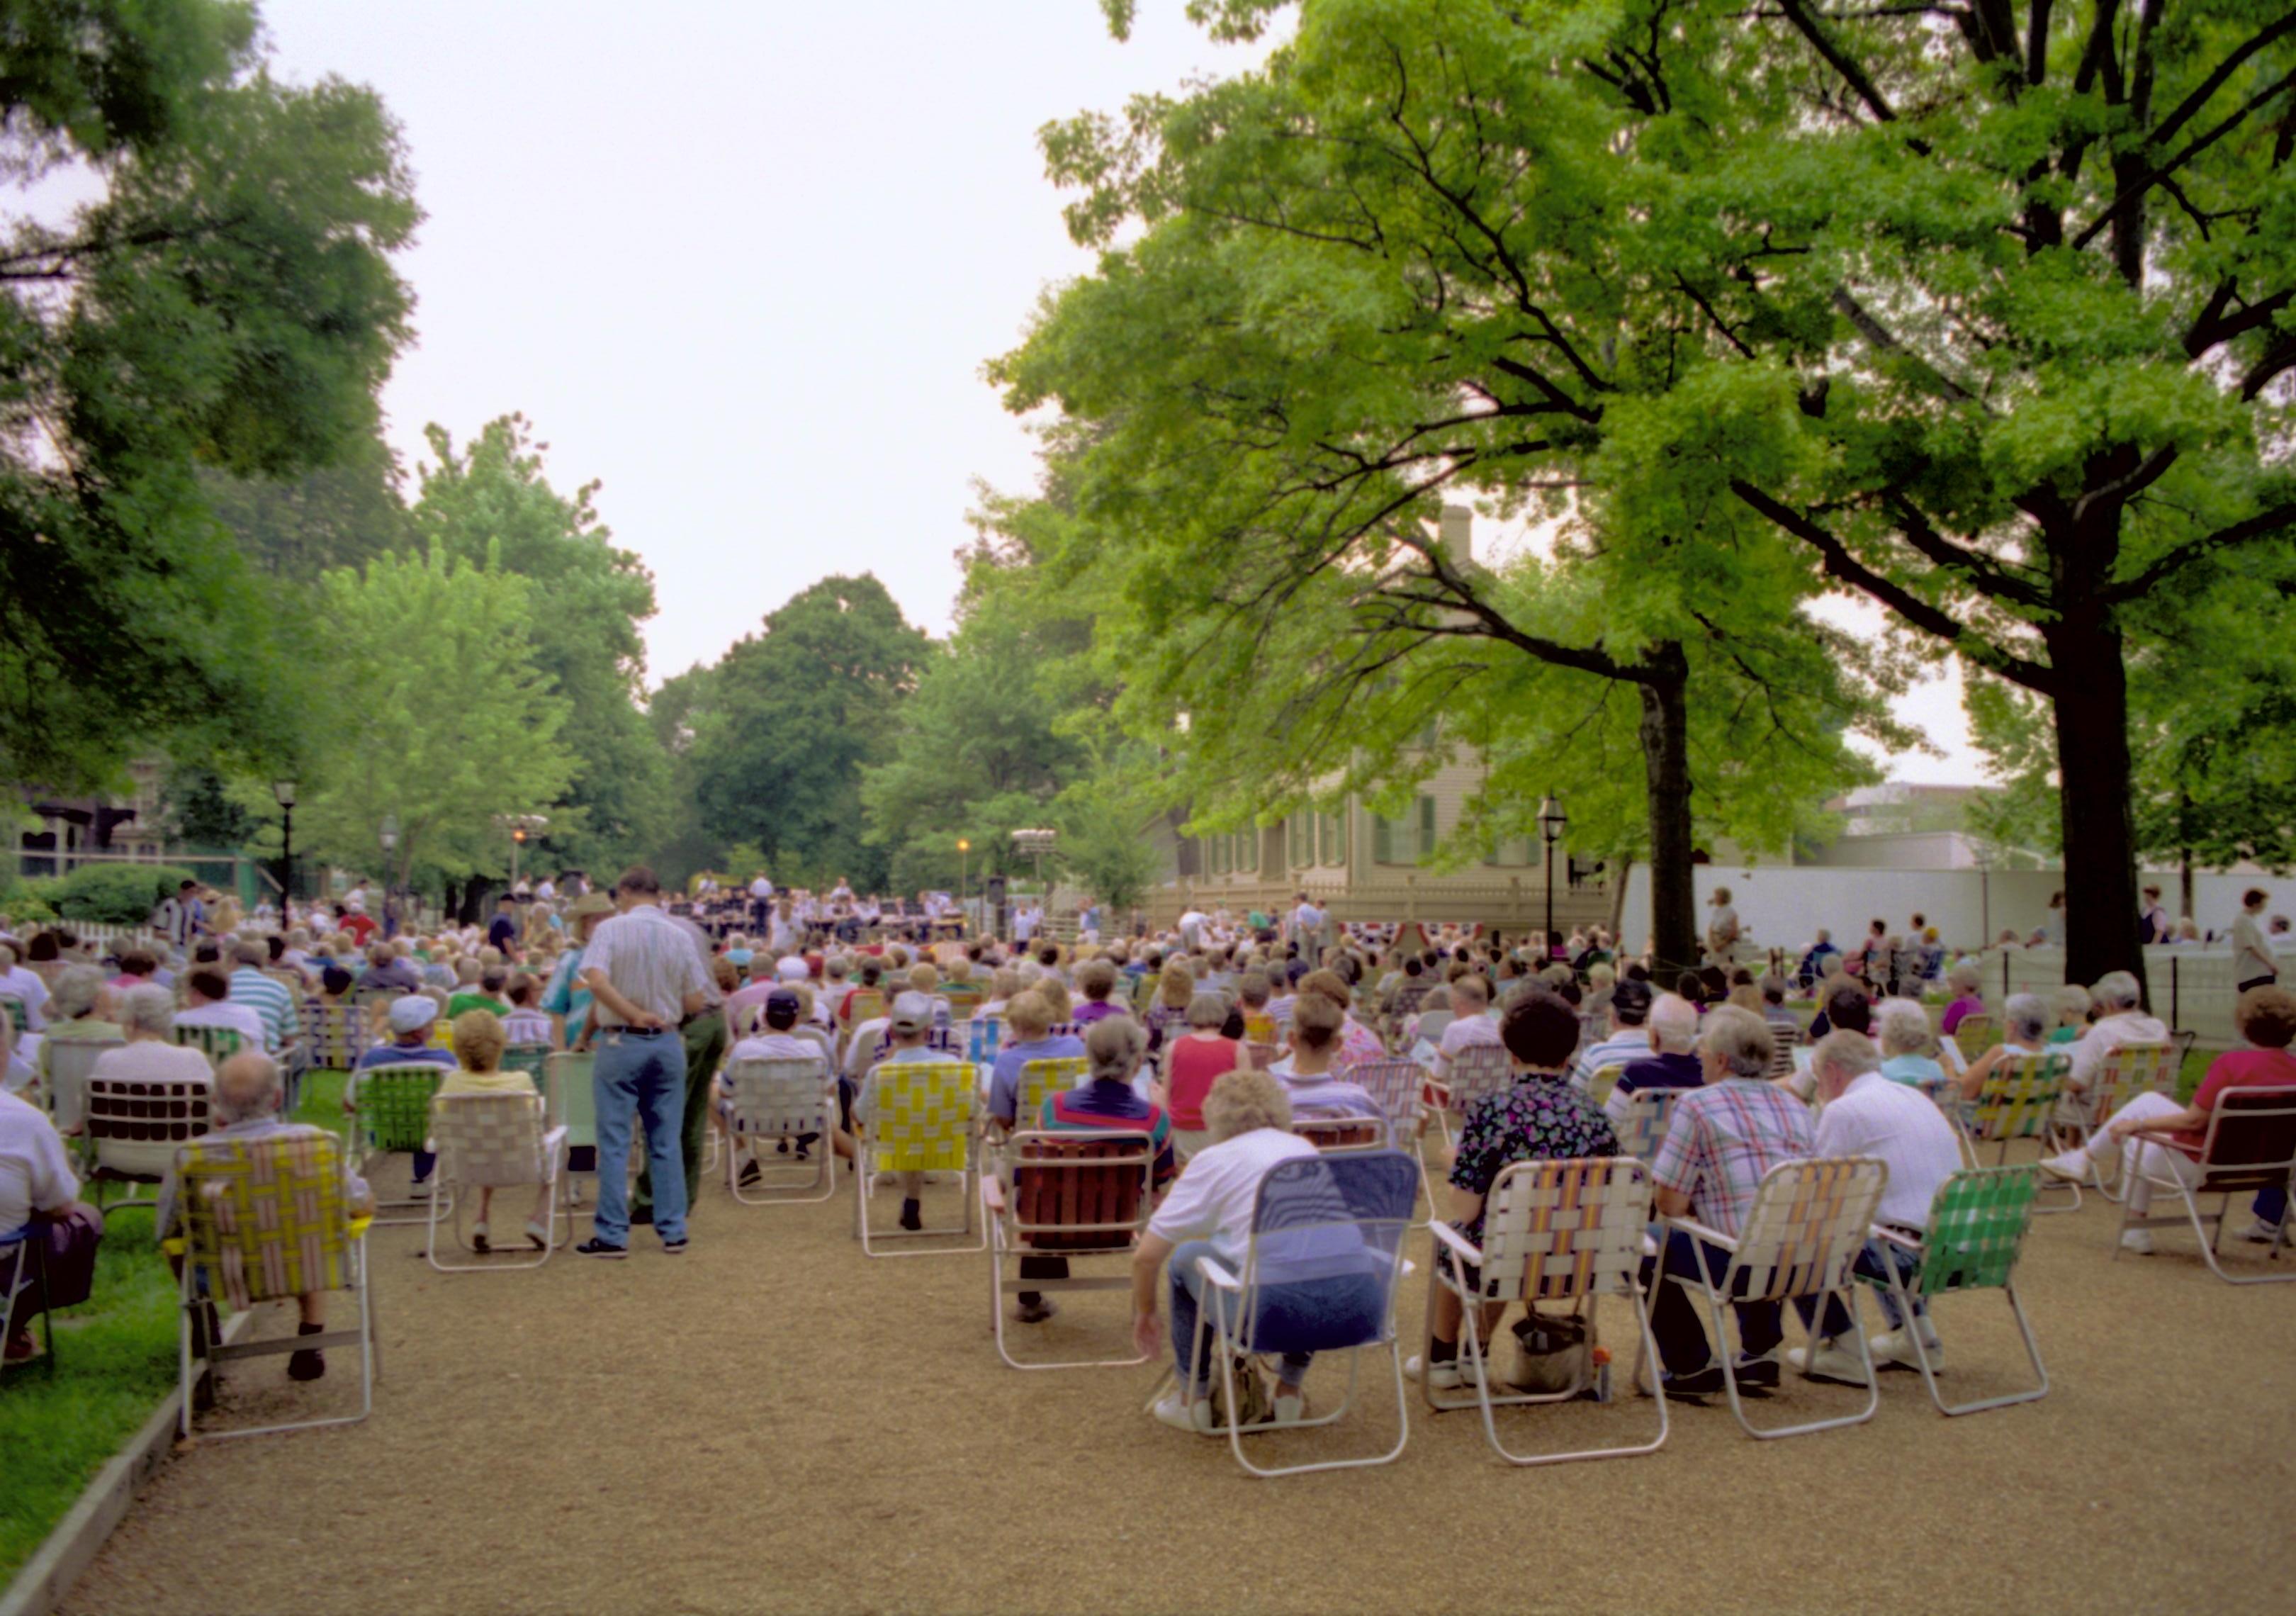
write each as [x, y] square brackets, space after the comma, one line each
[640, 1076]
[1675, 1320]
[1870, 1265]
[2271, 1205]
[1337, 1310]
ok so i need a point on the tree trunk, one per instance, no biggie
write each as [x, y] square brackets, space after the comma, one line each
[2101, 922]
[1619, 896]
[1666, 761]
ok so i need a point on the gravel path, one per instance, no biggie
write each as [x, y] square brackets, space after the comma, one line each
[772, 1423]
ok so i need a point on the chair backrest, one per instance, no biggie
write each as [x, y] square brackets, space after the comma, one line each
[129, 1111]
[1478, 1070]
[867, 1005]
[573, 1102]
[1042, 1079]
[1431, 1023]
[335, 1034]
[777, 1098]
[1808, 1225]
[68, 1061]
[921, 1119]
[19, 1018]
[964, 998]
[218, 1044]
[1080, 1192]
[1976, 1033]
[1643, 1129]
[1341, 1133]
[983, 1039]
[1555, 1231]
[1604, 1079]
[945, 1041]
[532, 1059]
[265, 1219]
[1977, 1227]
[1331, 1216]
[488, 1139]
[2019, 1097]
[394, 1103]
[1397, 1085]
[2251, 1143]
[1782, 1052]
[1265, 1055]
[1064, 1030]
[2130, 1070]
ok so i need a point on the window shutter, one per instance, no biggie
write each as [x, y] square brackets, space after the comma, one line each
[1426, 827]
[1383, 840]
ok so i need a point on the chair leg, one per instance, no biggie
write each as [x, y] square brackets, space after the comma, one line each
[1648, 1349]
[1730, 1374]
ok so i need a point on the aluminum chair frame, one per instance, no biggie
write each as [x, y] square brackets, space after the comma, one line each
[2005, 1192]
[1477, 1073]
[183, 1105]
[2019, 1101]
[947, 1148]
[2251, 1107]
[1074, 1151]
[1768, 1262]
[758, 1107]
[1224, 1288]
[549, 1145]
[1521, 1261]
[324, 1191]
[2126, 1071]
[29, 1247]
[409, 1134]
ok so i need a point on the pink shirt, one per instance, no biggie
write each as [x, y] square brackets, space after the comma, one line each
[2237, 1069]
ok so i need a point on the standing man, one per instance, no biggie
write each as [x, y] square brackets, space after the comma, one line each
[647, 977]
[1722, 930]
[1307, 931]
[501, 931]
[2253, 963]
[762, 902]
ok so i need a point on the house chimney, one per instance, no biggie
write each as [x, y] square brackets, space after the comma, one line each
[1457, 530]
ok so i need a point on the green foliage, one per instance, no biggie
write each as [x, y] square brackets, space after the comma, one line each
[197, 807]
[225, 304]
[443, 719]
[342, 515]
[116, 894]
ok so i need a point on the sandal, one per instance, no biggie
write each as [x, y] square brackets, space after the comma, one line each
[478, 1241]
[538, 1234]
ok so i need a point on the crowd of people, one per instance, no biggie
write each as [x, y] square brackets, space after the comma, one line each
[1213, 1039]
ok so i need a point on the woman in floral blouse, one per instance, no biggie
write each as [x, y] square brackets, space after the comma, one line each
[1541, 1119]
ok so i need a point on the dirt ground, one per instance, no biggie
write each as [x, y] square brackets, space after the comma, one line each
[772, 1423]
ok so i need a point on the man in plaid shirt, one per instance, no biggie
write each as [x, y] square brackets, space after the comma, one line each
[1723, 1138]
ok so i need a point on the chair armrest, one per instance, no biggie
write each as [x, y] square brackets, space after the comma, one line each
[1209, 1270]
[1699, 1231]
[1896, 1237]
[554, 1140]
[992, 1194]
[1465, 1249]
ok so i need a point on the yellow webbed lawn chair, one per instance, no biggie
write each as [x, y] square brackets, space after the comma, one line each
[2128, 1070]
[921, 1120]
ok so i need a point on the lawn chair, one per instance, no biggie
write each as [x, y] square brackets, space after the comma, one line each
[336, 1034]
[134, 1129]
[1259, 1028]
[1974, 1034]
[2017, 1102]
[1040, 1080]
[964, 1000]
[24, 1273]
[1400, 1087]
[2125, 1072]
[1432, 1023]
[1478, 1071]
[1330, 1133]
[393, 1106]
[570, 1097]
[494, 1141]
[921, 1121]
[218, 1044]
[1976, 1232]
[1649, 1112]
[1074, 1194]
[782, 1100]
[532, 1059]
[20, 1019]
[1807, 1226]
[270, 1220]
[1316, 1217]
[1553, 1232]
[2250, 1146]
[984, 1036]
[1605, 1079]
[68, 1063]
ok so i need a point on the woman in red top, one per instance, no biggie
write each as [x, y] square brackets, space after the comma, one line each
[2266, 1018]
[1192, 1062]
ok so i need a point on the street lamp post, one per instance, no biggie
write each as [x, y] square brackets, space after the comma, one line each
[1552, 822]
[282, 792]
[1035, 844]
[390, 838]
[963, 847]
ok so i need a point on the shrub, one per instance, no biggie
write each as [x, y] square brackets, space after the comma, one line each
[116, 894]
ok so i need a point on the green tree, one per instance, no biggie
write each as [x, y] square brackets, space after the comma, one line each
[585, 601]
[342, 515]
[783, 727]
[223, 304]
[440, 720]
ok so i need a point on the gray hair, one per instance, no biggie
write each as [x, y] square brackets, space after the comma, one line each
[1850, 1055]
[247, 1089]
[76, 991]
[1207, 1010]
[149, 1009]
[1115, 1045]
[1673, 1024]
[1965, 976]
[1902, 1025]
[1741, 1039]
[2027, 1015]
[1243, 1100]
[2118, 990]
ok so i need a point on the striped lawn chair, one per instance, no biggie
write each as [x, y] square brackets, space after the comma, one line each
[134, 1128]
[1806, 1229]
[1648, 1113]
[1477, 1071]
[2250, 1146]
[1073, 1194]
[984, 1036]
[921, 1120]
[1259, 1028]
[1553, 1232]
[2018, 1101]
[1040, 1080]
[2125, 1072]
[780, 1100]
[963, 999]
[269, 1219]
[336, 1034]
[493, 1141]
[218, 1044]
[392, 1104]
[19, 1019]
[1974, 1034]
[1976, 1232]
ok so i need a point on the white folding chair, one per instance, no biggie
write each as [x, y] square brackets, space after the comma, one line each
[2250, 1146]
[783, 1100]
[495, 1142]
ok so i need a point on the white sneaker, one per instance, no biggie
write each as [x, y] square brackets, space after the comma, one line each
[1831, 1361]
[1897, 1346]
[2264, 1234]
[2139, 1241]
[1175, 1409]
[1289, 1410]
[2071, 1167]
[1447, 1375]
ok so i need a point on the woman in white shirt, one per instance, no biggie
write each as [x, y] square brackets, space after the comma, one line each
[1208, 1213]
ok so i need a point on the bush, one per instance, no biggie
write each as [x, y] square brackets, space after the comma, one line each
[116, 894]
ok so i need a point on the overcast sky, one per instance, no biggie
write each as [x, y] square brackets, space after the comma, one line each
[742, 262]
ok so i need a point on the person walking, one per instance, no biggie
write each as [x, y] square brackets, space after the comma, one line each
[646, 978]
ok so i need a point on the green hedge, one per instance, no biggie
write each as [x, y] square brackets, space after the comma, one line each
[116, 894]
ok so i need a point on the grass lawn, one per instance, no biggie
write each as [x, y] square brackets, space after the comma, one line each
[117, 1355]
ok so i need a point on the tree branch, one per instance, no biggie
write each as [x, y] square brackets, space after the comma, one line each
[2189, 108]
[2133, 193]
[2266, 523]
